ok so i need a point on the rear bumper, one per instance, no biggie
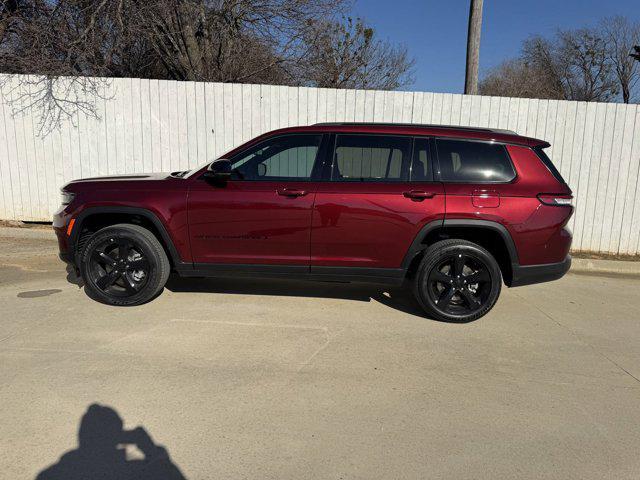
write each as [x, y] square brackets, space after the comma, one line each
[529, 274]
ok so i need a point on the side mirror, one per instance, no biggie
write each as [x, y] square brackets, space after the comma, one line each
[219, 170]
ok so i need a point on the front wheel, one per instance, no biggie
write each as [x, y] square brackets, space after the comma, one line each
[124, 264]
[457, 281]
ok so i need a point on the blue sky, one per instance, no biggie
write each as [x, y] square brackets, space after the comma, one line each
[435, 31]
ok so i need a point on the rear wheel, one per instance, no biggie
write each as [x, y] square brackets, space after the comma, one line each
[124, 264]
[457, 281]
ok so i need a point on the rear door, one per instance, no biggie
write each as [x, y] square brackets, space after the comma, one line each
[379, 191]
[262, 215]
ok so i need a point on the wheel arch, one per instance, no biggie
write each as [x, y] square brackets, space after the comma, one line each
[100, 217]
[493, 236]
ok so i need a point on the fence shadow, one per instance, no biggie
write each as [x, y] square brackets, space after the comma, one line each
[102, 452]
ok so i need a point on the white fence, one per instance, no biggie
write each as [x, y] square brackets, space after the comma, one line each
[156, 125]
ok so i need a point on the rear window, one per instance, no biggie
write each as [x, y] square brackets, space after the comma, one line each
[474, 162]
[549, 164]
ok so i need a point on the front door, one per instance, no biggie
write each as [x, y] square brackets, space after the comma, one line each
[262, 215]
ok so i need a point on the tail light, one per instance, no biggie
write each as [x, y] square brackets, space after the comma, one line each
[556, 200]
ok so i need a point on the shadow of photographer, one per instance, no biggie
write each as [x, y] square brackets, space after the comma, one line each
[102, 452]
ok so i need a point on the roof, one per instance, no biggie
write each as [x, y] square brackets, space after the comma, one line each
[421, 125]
[453, 131]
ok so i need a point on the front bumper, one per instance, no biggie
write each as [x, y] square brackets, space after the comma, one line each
[529, 274]
[61, 221]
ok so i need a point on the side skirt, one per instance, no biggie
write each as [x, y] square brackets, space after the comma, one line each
[377, 276]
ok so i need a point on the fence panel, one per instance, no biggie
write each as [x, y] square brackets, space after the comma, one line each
[158, 125]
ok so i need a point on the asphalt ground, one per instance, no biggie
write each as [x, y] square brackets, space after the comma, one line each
[264, 379]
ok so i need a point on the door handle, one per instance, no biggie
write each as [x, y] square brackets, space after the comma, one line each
[418, 195]
[291, 192]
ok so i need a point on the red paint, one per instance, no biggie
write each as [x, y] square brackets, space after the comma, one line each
[351, 224]
[369, 224]
[251, 222]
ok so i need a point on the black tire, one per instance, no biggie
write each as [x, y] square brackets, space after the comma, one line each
[445, 290]
[124, 265]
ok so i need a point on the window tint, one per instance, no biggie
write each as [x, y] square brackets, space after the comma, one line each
[473, 162]
[371, 158]
[549, 164]
[421, 167]
[286, 157]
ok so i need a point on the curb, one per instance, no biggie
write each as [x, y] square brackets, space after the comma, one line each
[22, 232]
[605, 267]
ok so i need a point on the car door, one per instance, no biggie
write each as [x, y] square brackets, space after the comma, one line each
[380, 194]
[262, 215]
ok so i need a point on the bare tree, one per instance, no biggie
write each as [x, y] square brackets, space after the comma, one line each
[572, 65]
[248, 41]
[230, 40]
[518, 78]
[37, 38]
[587, 71]
[347, 54]
[576, 61]
[621, 35]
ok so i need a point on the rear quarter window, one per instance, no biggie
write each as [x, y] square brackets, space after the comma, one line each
[549, 164]
[466, 161]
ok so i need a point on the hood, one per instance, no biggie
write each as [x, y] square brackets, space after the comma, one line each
[125, 178]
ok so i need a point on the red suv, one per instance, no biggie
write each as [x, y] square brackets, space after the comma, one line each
[454, 210]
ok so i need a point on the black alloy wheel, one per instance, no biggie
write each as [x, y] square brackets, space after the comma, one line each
[459, 284]
[457, 281]
[118, 267]
[124, 264]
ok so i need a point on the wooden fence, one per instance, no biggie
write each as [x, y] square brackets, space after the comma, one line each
[158, 125]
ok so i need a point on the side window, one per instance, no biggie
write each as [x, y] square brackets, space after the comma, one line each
[371, 158]
[421, 165]
[287, 157]
[549, 164]
[474, 162]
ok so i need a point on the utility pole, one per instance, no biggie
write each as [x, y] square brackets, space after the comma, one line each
[473, 47]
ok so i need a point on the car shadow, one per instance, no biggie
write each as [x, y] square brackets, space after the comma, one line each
[106, 451]
[398, 298]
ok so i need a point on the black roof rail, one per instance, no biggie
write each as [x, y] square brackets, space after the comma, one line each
[422, 125]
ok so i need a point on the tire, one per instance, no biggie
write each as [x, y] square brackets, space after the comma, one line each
[124, 265]
[442, 284]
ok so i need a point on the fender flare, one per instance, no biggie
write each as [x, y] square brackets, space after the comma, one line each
[417, 246]
[142, 212]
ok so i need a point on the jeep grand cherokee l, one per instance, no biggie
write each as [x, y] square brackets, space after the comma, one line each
[452, 211]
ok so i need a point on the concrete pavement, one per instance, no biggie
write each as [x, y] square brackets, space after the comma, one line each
[287, 380]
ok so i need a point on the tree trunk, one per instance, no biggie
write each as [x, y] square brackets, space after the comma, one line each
[626, 94]
[473, 47]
